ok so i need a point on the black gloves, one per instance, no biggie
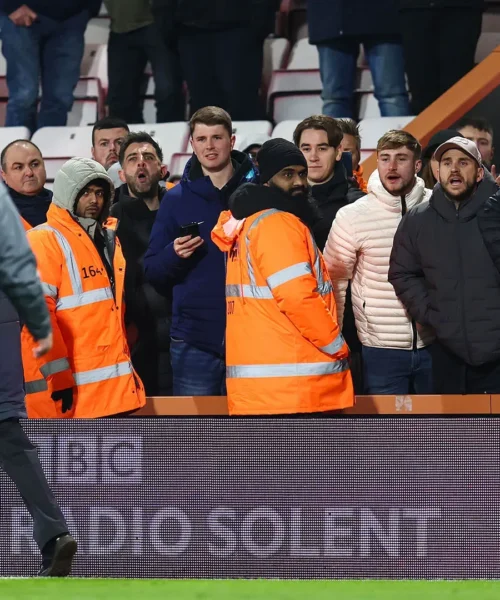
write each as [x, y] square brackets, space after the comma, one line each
[67, 398]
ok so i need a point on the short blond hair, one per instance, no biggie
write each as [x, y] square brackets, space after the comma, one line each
[397, 138]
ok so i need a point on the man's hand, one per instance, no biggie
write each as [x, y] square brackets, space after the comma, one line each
[44, 346]
[185, 246]
[23, 16]
[495, 175]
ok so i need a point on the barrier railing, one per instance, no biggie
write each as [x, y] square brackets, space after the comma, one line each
[480, 404]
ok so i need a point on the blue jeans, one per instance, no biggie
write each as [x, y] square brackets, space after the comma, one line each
[196, 372]
[337, 61]
[49, 50]
[396, 372]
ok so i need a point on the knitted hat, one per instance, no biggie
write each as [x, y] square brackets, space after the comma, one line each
[277, 154]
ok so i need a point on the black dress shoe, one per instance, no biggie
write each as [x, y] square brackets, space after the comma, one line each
[58, 563]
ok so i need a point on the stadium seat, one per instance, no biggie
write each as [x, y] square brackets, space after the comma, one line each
[10, 134]
[245, 129]
[285, 130]
[95, 63]
[178, 163]
[97, 31]
[368, 106]
[298, 106]
[303, 56]
[275, 55]
[364, 80]
[3, 63]
[286, 83]
[365, 154]
[58, 144]
[83, 113]
[371, 130]
[172, 137]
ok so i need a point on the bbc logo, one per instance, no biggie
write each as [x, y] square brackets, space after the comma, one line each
[87, 459]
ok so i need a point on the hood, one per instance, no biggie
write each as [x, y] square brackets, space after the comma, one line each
[227, 230]
[417, 194]
[73, 176]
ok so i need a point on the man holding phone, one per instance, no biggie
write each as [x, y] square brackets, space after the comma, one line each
[182, 256]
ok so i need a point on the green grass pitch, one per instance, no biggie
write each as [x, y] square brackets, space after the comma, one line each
[164, 589]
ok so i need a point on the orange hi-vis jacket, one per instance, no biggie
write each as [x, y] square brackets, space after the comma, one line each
[90, 352]
[284, 350]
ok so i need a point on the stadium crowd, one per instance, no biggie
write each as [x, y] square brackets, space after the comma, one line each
[279, 274]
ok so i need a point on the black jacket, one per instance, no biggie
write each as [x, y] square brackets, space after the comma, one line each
[436, 4]
[339, 19]
[216, 14]
[442, 272]
[149, 311]
[330, 197]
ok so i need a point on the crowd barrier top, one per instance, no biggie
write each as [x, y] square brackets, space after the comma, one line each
[480, 404]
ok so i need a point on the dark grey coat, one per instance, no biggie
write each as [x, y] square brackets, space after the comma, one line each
[21, 291]
[442, 272]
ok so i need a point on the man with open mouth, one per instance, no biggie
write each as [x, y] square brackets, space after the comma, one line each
[442, 271]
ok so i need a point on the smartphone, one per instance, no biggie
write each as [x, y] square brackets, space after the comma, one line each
[192, 229]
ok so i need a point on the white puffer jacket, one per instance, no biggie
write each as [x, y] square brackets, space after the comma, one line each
[359, 248]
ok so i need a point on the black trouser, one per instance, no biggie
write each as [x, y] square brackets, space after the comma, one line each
[439, 47]
[19, 460]
[128, 54]
[452, 375]
[223, 68]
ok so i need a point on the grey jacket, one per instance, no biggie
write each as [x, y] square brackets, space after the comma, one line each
[18, 275]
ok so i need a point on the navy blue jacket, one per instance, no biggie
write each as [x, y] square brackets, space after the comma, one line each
[59, 10]
[330, 20]
[198, 283]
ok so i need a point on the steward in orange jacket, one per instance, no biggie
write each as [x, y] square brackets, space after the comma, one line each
[88, 372]
[285, 353]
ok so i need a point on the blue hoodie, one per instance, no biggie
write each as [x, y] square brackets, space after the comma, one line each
[198, 282]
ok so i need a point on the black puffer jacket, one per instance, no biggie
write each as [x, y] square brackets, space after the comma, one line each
[442, 272]
[149, 311]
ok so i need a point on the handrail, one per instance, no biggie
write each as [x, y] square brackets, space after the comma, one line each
[452, 105]
[480, 404]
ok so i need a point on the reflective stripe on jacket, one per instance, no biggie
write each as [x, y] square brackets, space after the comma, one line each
[90, 352]
[284, 350]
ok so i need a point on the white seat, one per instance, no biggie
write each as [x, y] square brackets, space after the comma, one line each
[97, 31]
[83, 113]
[303, 56]
[172, 137]
[59, 142]
[3, 63]
[364, 80]
[103, 11]
[245, 131]
[10, 134]
[95, 63]
[365, 154]
[288, 83]
[275, 54]
[3, 112]
[178, 163]
[299, 107]
[368, 106]
[285, 130]
[372, 129]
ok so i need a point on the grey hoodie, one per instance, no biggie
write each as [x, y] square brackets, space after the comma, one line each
[74, 175]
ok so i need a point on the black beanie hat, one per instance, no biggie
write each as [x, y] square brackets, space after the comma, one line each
[276, 154]
[437, 139]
